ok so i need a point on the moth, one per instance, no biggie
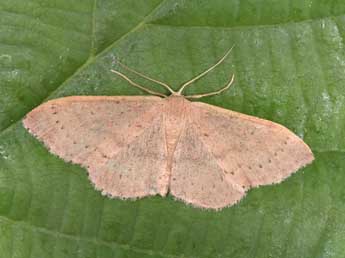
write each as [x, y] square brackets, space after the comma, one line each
[136, 146]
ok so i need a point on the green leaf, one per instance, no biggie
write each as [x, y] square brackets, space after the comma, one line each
[289, 63]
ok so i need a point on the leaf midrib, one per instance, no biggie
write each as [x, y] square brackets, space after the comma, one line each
[93, 57]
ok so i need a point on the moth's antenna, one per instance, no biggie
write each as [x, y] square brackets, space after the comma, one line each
[213, 92]
[137, 85]
[146, 77]
[205, 72]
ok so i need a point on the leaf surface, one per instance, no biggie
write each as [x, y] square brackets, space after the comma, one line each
[289, 63]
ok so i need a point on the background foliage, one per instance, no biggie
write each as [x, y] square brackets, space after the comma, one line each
[289, 63]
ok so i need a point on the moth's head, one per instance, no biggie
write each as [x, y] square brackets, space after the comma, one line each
[175, 97]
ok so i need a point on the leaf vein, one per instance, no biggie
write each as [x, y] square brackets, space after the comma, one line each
[96, 242]
[88, 61]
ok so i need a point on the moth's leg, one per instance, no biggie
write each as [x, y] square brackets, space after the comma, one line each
[205, 72]
[146, 77]
[139, 86]
[227, 86]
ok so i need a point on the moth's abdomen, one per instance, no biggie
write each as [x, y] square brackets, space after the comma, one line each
[174, 120]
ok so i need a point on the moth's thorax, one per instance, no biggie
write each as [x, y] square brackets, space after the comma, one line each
[176, 109]
[175, 106]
